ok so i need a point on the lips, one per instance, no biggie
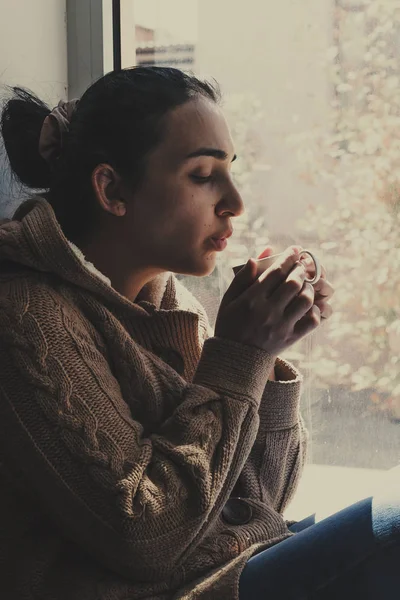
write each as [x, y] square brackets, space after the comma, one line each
[220, 241]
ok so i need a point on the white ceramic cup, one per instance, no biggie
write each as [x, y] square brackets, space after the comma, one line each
[265, 263]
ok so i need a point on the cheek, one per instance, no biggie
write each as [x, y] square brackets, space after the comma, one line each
[179, 213]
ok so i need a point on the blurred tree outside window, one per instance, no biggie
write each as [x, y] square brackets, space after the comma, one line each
[360, 233]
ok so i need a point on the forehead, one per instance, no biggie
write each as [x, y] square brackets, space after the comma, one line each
[196, 124]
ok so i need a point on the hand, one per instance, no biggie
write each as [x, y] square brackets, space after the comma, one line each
[271, 312]
[323, 289]
[323, 293]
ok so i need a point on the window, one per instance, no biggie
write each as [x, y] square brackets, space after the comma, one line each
[311, 91]
[166, 33]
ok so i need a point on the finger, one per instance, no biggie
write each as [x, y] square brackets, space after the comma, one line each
[241, 282]
[289, 289]
[309, 265]
[325, 309]
[272, 277]
[300, 305]
[310, 322]
[324, 289]
[267, 252]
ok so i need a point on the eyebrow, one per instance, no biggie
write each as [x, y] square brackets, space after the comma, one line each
[214, 152]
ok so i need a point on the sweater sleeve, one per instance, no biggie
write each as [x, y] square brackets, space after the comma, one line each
[138, 501]
[274, 467]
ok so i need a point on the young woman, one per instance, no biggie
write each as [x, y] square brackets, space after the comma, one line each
[142, 456]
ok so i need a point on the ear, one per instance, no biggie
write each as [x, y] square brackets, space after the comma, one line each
[107, 186]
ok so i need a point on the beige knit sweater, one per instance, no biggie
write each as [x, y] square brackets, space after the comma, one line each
[119, 472]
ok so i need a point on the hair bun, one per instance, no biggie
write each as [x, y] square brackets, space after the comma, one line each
[21, 123]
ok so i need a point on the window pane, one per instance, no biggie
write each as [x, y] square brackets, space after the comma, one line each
[166, 33]
[311, 91]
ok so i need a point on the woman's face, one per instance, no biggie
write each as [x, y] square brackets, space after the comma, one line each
[181, 216]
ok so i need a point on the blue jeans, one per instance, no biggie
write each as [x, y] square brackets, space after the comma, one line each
[352, 555]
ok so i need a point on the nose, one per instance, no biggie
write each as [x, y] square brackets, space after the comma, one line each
[231, 202]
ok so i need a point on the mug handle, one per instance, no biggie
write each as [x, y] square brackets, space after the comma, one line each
[317, 265]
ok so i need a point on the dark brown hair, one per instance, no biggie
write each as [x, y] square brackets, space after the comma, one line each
[118, 120]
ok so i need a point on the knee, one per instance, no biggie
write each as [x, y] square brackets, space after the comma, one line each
[386, 510]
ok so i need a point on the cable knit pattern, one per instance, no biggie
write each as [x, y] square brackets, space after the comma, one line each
[115, 468]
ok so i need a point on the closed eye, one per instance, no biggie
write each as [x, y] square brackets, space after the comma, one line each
[201, 179]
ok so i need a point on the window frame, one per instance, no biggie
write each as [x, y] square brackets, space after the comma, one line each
[92, 42]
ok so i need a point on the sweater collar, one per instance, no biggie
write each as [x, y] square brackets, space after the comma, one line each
[34, 239]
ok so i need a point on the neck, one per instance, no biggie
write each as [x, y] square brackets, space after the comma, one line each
[127, 278]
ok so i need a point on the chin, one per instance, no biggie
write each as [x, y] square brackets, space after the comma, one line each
[200, 268]
[207, 266]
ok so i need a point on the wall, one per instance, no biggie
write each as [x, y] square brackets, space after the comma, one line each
[33, 46]
[33, 54]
